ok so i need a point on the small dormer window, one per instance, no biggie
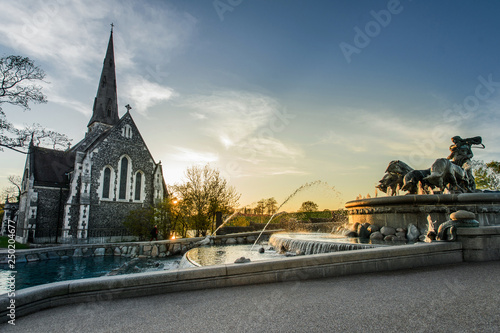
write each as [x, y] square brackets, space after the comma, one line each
[127, 131]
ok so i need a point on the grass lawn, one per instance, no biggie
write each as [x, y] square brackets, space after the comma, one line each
[4, 242]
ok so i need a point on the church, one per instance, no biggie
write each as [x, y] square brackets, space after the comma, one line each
[84, 194]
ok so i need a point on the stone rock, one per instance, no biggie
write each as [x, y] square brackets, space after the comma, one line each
[162, 255]
[109, 251]
[184, 249]
[20, 258]
[78, 253]
[117, 251]
[401, 235]
[154, 251]
[363, 231]
[163, 248]
[240, 240]
[251, 239]
[462, 215]
[386, 231]
[377, 235]
[354, 227]
[373, 228]
[241, 260]
[412, 233]
[262, 250]
[43, 256]
[100, 251]
[231, 241]
[389, 238]
[421, 238]
[32, 257]
[176, 249]
[400, 230]
[352, 234]
[52, 255]
[147, 248]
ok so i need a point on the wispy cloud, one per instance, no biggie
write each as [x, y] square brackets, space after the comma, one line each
[183, 154]
[242, 122]
[69, 39]
[144, 94]
[385, 132]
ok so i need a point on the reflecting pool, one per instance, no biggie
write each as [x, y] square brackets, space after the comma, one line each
[31, 274]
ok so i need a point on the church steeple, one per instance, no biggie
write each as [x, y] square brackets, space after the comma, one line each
[105, 109]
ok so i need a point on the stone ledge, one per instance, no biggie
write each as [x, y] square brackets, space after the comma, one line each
[295, 268]
[489, 230]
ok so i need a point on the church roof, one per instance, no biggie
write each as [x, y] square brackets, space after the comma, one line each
[105, 108]
[50, 167]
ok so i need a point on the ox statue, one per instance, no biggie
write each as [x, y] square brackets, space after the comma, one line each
[444, 172]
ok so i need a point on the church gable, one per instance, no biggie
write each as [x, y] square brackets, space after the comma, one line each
[123, 167]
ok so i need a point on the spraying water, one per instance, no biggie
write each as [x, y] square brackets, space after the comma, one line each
[303, 187]
[231, 216]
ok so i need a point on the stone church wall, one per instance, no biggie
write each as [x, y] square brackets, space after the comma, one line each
[49, 213]
[110, 213]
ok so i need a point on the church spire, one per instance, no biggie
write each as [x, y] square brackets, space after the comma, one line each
[105, 109]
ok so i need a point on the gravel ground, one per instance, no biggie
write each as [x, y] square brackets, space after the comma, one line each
[456, 298]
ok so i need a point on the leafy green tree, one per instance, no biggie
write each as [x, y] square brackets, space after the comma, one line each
[487, 175]
[271, 206]
[204, 193]
[139, 222]
[261, 206]
[308, 207]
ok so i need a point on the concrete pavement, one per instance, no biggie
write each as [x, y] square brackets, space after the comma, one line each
[462, 297]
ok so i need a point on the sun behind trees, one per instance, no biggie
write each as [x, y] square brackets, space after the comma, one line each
[191, 205]
[204, 193]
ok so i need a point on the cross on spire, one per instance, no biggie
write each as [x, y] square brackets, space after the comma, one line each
[112, 25]
[128, 107]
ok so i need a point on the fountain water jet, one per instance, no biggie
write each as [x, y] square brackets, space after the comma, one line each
[303, 187]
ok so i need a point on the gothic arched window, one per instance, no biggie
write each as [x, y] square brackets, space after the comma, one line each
[123, 178]
[106, 183]
[138, 186]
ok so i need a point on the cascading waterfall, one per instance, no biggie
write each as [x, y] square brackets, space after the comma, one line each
[313, 246]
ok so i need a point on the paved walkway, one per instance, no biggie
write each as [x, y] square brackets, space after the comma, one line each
[457, 298]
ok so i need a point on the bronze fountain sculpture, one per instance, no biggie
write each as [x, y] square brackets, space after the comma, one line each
[453, 173]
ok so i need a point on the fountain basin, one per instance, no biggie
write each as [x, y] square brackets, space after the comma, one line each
[221, 255]
[400, 211]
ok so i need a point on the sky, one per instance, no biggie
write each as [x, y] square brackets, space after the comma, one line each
[275, 94]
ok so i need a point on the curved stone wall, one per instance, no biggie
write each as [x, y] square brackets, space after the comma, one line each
[400, 211]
